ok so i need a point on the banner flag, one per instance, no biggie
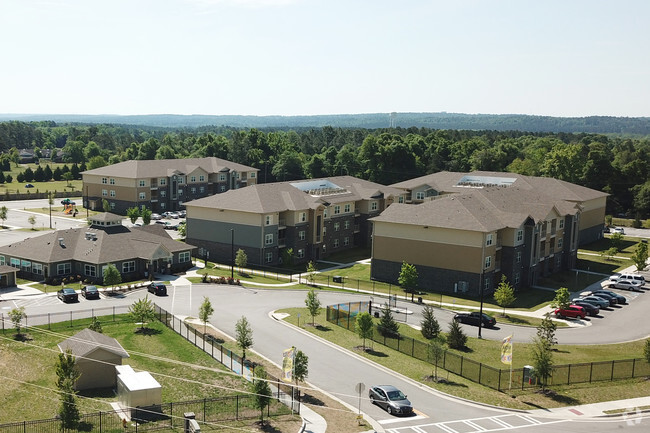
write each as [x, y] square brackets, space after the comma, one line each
[506, 350]
[287, 364]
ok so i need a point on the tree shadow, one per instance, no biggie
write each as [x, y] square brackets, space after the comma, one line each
[266, 426]
[373, 352]
[310, 399]
[22, 337]
[323, 328]
[97, 393]
[148, 331]
[85, 426]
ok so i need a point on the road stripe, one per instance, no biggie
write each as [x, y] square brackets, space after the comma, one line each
[475, 426]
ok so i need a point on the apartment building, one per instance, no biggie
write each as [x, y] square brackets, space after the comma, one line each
[297, 221]
[162, 185]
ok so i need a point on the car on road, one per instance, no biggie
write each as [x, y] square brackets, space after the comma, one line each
[390, 399]
[90, 292]
[67, 294]
[572, 311]
[596, 300]
[591, 309]
[625, 285]
[620, 299]
[620, 230]
[158, 289]
[474, 318]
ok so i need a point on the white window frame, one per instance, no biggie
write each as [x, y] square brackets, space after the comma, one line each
[488, 262]
[347, 224]
[90, 270]
[2, 260]
[163, 205]
[302, 235]
[517, 278]
[268, 220]
[337, 226]
[374, 205]
[337, 209]
[518, 257]
[192, 179]
[419, 195]
[142, 196]
[183, 257]
[201, 189]
[202, 178]
[104, 193]
[104, 180]
[301, 253]
[63, 268]
[142, 182]
[162, 181]
[193, 190]
[112, 193]
[336, 243]
[111, 181]
[561, 224]
[303, 217]
[269, 256]
[520, 235]
[222, 177]
[163, 193]
[128, 266]
[26, 265]
[487, 284]
[112, 205]
[268, 239]
[488, 239]
[37, 268]
[346, 241]
[222, 188]
[14, 263]
[346, 208]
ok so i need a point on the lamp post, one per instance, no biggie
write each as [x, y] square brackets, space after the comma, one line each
[49, 201]
[232, 253]
[480, 319]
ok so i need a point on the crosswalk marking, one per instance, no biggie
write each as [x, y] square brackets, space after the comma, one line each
[476, 425]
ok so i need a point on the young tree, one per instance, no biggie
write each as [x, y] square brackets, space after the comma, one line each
[142, 311]
[205, 311]
[32, 221]
[146, 216]
[243, 335]
[300, 366]
[311, 272]
[364, 327]
[261, 391]
[241, 259]
[542, 359]
[640, 256]
[429, 324]
[387, 325]
[456, 338]
[133, 213]
[96, 326]
[546, 330]
[616, 239]
[504, 295]
[3, 214]
[435, 352]
[408, 278]
[313, 305]
[646, 351]
[67, 375]
[17, 315]
[112, 276]
[106, 207]
[562, 298]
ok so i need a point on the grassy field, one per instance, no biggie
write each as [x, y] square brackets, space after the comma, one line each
[19, 187]
[488, 352]
[184, 371]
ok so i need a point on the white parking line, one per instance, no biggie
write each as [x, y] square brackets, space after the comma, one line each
[396, 420]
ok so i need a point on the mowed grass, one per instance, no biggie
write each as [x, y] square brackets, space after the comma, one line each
[184, 371]
[488, 352]
[53, 185]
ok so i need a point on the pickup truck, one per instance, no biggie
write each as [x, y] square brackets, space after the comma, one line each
[572, 311]
[473, 318]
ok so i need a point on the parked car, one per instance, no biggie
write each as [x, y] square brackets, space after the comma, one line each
[29, 185]
[163, 223]
[606, 229]
[182, 213]
[391, 399]
[171, 226]
[609, 298]
[173, 215]
[620, 299]
[573, 311]
[474, 318]
[620, 230]
[631, 277]
[596, 300]
[158, 289]
[591, 309]
[156, 217]
[625, 285]
[67, 294]
[90, 292]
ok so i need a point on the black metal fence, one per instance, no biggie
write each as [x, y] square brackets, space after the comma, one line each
[500, 379]
[114, 314]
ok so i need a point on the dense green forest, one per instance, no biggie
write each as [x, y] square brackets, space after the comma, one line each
[614, 164]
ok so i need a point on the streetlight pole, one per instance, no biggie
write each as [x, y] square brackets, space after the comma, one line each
[232, 253]
[49, 201]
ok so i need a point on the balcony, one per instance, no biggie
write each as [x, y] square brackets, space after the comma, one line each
[356, 228]
[154, 184]
[282, 242]
[282, 223]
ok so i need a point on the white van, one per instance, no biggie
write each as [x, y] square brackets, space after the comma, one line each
[630, 277]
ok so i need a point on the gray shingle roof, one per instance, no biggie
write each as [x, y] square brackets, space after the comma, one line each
[137, 169]
[87, 341]
[283, 196]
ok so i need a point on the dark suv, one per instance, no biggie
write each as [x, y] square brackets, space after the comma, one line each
[158, 289]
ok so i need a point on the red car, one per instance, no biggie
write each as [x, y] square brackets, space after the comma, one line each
[572, 311]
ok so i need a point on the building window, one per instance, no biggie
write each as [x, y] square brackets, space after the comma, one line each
[346, 224]
[269, 257]
[337, 226]
[325, 213]
[346, 208]
[267, 220]
[520, 235]
[488, 262]
[400, 199]
[268, 239]
[142, 196]
[337, 210]
[112, 205]
[336, 243]
[112, 193]
[184, 257]
[15, 263]
[2, 260]
[142, 183]
[163, 193]
[37, 268]
[192, 179]
[90, 270]
[517, 278]
[162, 181]
[180, 192]
[104, 193]
[560, 242]
[301, 235]
[346, 241]
[301, 253]
[488, 240]
[201, 189]
[252, 175]
[62, 268]
[202, 178]
[303, 216]
[25, 265]
[193, 190]
[128, 267]
[419, 195]
[518, 257]
[558, 261]
[112, 181]
[222, 177]
[222, 188]
[373, 205]
[104, 180]
[487, 285]
[163, 205]
[561, 223]
[181, 180]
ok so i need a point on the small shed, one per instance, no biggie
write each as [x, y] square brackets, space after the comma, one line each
[96, 357]
[138, 390]
[7, 276]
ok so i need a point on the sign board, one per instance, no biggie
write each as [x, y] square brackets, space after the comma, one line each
[359, 387]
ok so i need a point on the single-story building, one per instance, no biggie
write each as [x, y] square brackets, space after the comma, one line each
[7, 276]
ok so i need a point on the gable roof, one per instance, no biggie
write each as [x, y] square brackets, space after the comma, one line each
[87, 341]
[296, 195]
[136, 169]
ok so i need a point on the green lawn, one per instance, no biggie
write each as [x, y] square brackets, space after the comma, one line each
[19, 187]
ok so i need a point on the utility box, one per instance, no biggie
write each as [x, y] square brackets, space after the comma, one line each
[337, 279]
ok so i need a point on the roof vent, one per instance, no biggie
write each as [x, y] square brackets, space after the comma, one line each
[61, 242]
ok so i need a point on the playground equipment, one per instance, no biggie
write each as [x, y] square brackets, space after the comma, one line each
[69, 208]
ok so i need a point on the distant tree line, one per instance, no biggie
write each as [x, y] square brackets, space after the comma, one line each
[613, 164]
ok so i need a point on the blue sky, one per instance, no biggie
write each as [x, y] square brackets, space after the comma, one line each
[302, 57]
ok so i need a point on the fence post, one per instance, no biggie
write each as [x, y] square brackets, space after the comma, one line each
[522, 378]
[113, 313]
[71, 318]
[237, 407]
[204, 402]
[568, 376]
[612, 376]
[462, 358]
[591, 371]
[480, 370]
[48, 321]
[499, 382]
[633, 366]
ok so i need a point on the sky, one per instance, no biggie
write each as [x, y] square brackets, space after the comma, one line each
[306, 57]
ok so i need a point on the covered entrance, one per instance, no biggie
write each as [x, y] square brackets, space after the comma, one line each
[7, 276]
